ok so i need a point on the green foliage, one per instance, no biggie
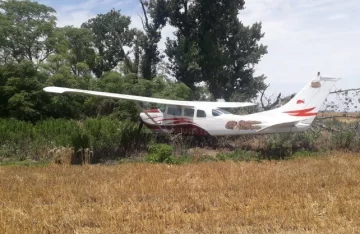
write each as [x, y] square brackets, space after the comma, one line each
[24, 99]
[157, 11]
[170, 90]
[56, 132]
[108, 138]
[343, 139]
[238, 155]
[160, 153]
[24, 163]
[111, 33]
[278, 146]
[26, 32]
[112, 138]
[213, 46]
[305, 141]
[22, 92]
[304, 154]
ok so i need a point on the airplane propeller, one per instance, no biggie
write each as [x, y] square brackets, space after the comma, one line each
[140, 125]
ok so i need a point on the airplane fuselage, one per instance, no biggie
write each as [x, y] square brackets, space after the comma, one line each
[214, 122]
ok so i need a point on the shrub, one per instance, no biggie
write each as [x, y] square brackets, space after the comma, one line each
[160, 153]
[238, 155]
[106, 137]
[305, 141]
[343, 139]
[278, 146]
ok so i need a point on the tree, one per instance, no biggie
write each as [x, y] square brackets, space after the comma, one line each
[22, 92]
[111, 35]
[213, 46]
[26, 31]
[78, 49]
[183, 51]
[156, 9]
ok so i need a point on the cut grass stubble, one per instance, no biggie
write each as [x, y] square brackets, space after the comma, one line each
[301, 195]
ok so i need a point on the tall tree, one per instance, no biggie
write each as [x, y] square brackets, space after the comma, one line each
[213, 46]
[183, 51]
[157, 11]
[22, 93]
[26, 31]
[111, 34]
[80, 54]
[228, 50]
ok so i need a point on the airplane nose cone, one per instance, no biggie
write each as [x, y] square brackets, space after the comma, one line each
[143, 116]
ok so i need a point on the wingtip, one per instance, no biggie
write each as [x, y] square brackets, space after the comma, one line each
[53, 89]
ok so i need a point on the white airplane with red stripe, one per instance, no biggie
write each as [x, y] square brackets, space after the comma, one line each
[207, 118]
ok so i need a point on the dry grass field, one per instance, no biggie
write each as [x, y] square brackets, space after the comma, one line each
[305, 195]
[349, 117]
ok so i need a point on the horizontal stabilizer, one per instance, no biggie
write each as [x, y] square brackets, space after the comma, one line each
[54, 89]
[280, 125]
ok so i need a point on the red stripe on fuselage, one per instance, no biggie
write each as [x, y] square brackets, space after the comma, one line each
[302, 113]
[152, 111]
[185, 129]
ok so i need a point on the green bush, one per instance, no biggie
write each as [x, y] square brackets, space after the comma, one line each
[106, 137]
[278, 146]
[343, 139]
[238, 155]
[112, 138]
[305, 141]
[160, 153]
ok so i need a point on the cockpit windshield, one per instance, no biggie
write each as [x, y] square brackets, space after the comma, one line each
[217, 112]
[162, 108]
[223, 111]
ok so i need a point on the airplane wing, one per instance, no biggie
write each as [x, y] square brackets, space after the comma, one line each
[53, 89]
[282, 125]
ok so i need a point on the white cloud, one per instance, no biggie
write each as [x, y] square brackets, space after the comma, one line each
[82, 10]
[75, 18]
[339, 16]
[304, 37]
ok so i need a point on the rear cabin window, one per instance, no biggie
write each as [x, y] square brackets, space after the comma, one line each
[174, 110]
[189, 112]
[200, 114]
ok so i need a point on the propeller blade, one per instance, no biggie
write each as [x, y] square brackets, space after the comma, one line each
[141, 125]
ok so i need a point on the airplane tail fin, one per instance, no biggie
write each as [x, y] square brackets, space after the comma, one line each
[309, 100]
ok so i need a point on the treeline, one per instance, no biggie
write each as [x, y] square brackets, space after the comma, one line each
[211, 46]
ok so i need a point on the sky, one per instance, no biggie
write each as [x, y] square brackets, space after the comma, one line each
[303, 36]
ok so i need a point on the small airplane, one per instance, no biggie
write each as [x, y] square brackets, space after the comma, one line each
[208, 119]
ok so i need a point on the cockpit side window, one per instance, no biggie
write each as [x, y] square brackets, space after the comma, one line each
[200, 114]
[174, 110]
[189, 112]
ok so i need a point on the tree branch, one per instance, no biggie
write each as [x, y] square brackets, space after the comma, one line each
[127, 60]
[269, 106]
[142, 21]
[144, 11]
[345, 90]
